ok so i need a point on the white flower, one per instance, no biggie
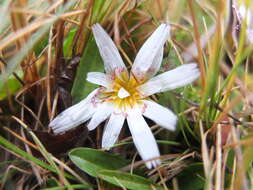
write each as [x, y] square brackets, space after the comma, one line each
[125, 95]
[244, 14]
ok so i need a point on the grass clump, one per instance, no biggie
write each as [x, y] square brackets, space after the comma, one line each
[46, 50]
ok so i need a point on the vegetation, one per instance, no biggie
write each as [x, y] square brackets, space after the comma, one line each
[46, 50]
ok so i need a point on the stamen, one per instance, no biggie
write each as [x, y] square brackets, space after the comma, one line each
[123, 93]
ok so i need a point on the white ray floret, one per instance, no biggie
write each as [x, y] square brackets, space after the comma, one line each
[159, 114]
[74, 115]
[143, 138]
[149, 58]
[104, 110]
[100, 79]
[112, 130]
[125, 96]
[170, 80]
[108, 50]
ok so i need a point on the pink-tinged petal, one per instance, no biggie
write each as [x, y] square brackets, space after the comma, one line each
[170, 80]
[74, 115]
[149, 58]
[103, 111]
[159, 114]
[100, 79]
[108, 50]
[143, 138]
[112, 130]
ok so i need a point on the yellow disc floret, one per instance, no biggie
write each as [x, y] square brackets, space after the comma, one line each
[124, 93]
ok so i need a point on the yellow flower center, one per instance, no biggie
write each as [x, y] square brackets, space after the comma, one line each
[124, 93]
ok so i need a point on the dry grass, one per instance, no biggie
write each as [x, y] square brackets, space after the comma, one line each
[47, 48]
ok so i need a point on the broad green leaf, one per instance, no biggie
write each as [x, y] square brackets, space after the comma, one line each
[127, 180]
[90, 62]
[92, 160]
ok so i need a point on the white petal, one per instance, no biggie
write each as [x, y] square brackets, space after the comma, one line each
[246, 14]
[154, 68]
[159, 114]
[143, 138]
[74, 115]
[103, 111]
[149, 57]
[112, 130]
[108, 50]
[169, 80]
[100, 79]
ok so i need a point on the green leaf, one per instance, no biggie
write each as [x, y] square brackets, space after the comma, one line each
[24, 155]
[127, 180]
[92, 160]
[90, 62]
[28, 157]
[192, 177]
[75, 186]
[97, 10]
[51, 182]
[248, 157]
[43, 43]
[9, 88]
[68, 42]
[100, 10]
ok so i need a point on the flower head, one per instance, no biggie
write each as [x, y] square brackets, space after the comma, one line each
[125, 96]
[241, 13]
